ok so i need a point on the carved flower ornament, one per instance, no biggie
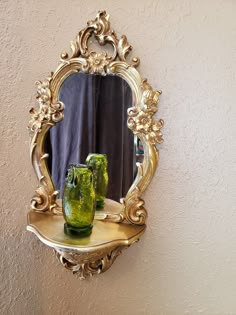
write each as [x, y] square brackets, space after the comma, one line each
[140, 119]
[97, 62]
[47, 112]
[141, 122]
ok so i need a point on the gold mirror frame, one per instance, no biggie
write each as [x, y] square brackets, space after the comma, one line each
[140, 118]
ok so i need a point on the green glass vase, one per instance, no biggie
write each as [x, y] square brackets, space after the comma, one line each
[98, 162]
[79, 200]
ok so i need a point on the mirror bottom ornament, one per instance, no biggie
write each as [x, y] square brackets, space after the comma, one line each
[73, 261]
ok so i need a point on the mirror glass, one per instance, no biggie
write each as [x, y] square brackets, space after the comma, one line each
[95, 121]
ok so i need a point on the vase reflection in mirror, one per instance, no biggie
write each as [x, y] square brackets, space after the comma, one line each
[98, 163]
[79, 201]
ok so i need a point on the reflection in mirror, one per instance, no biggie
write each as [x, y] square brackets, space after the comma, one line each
[95, 121]
[139, 151]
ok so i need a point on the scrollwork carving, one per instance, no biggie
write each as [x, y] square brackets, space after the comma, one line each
[102, 31]
[141, 122]
[90, 265]
[123, 49]
[43, 117]
[43, 200]
[135, 213]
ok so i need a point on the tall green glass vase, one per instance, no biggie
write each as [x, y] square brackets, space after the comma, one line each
[79, 200]
[98, 162]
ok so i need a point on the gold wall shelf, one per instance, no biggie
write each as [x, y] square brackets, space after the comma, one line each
[89, 255]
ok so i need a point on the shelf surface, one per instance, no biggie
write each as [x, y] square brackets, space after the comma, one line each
[49, 229]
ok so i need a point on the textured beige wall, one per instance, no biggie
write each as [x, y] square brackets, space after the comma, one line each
[186, 262]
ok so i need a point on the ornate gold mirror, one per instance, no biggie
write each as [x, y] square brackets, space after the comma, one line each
[85, 106]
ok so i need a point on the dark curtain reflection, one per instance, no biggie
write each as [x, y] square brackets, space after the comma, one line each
[95, 121]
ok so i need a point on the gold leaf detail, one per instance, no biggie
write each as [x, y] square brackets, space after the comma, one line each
[137, 214]
[87, 264]
[103, 33]
[140, 119]
[47, 112]
[97, 63]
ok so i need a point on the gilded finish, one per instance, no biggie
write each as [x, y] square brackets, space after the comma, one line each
[140, 121]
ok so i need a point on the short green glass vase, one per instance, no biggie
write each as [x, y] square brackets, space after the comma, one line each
[79, 201]
[98, 162]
